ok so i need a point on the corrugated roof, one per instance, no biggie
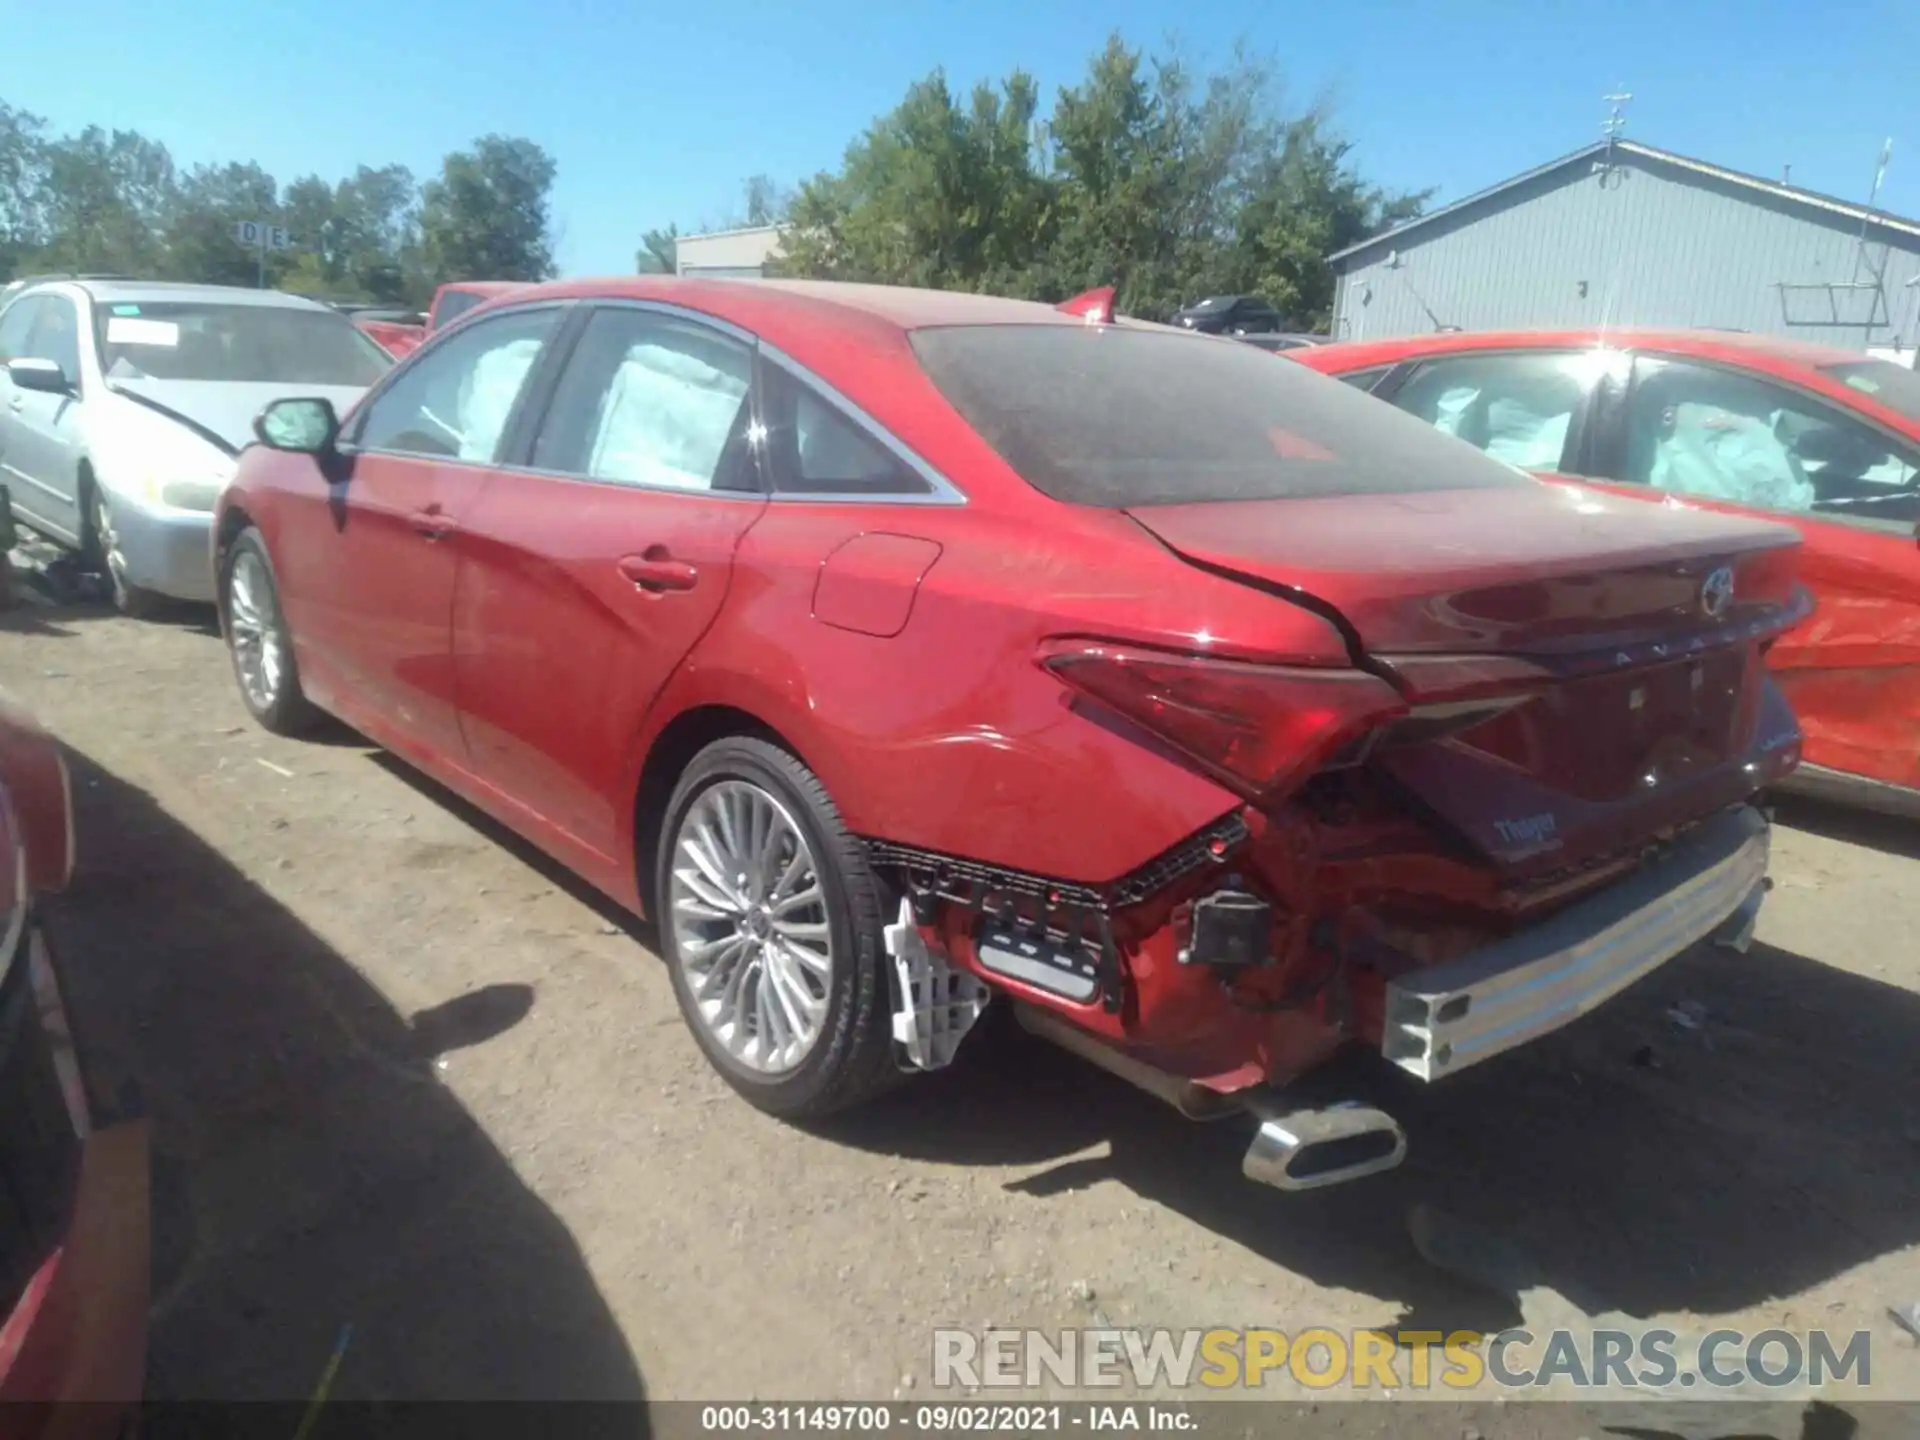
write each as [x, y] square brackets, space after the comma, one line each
[1813, 200]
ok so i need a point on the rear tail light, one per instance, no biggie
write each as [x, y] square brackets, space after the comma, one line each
[1259, 729]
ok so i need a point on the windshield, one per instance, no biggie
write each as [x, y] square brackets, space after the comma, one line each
[1214, 302]
[1892, 385]
[263, 344]
[1113, 416]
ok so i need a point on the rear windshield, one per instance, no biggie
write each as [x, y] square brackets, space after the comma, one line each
[1114, 416]
[1892, 385]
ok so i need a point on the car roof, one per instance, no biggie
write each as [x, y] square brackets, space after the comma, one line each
[181, 292]
[1734, 345]
[481, 287]
[791, 313]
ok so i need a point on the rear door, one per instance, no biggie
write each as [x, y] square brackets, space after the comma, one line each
[1715, 437]
[597, 559]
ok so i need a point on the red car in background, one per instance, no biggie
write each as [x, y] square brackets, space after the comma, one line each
[897, 648]
[73, 1187]
[1824, 438]
[455, 298]
[397, 337]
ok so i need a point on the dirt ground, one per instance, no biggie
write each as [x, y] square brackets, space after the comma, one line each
[415, 1088]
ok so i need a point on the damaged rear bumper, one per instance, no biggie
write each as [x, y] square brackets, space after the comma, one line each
[1709, 884]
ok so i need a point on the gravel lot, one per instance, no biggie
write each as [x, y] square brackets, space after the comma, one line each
[408, 1076]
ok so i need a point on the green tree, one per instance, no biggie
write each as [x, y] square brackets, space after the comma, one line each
[486, 217]
[22, 174]
[1306, 203]
[104, 195]
[659, 252]
[198, 215]
[934, 193]
[1147, 176]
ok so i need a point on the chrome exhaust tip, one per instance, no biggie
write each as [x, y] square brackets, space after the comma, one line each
[1306, 1149]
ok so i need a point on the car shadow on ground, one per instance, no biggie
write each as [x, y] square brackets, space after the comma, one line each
[1727, 1132]
[315, 1185]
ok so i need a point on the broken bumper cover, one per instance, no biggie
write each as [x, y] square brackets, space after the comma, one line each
[1709, 884]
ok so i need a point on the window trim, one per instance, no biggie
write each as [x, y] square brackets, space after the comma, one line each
[941, 491]
[1575, 451]
[510, 438]
[542, 387]
[1614, 460]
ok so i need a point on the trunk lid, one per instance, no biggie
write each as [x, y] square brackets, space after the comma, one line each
[1584, 671]
[1539, 570]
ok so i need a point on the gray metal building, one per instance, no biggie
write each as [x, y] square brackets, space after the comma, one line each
[1619, 233]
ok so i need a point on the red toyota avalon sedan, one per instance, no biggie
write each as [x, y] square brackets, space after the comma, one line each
[1824, 438]
[892, 649]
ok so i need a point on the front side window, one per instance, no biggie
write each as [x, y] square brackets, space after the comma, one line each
[1517, 408]
[1723, 435]
[1114, 416]
[16, 327]
[212, 341]
[56, 334]
[455, 401]
[654, 401]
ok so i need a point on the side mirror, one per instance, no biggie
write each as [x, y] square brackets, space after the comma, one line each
[302, 426]
[45, 376]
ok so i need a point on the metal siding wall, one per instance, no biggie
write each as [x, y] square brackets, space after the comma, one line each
[1658, 246]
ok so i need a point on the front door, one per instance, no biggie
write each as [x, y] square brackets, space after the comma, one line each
[589, 573]
[40, 442]
[1727, 439]
[368, 586]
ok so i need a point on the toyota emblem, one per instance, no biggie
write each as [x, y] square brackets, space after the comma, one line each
[1716, 593]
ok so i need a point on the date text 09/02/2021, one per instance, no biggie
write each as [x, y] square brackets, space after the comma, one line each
[945, 1418]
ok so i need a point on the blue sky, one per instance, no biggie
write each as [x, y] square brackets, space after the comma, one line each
[656, 113]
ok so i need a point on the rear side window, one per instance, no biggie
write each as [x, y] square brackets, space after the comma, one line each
[1113, 416]
[1517, 408]
[1364, 380]
[453, 305]
[654, 401]
[814, 448]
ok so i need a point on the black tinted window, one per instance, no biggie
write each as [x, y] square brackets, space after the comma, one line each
[1113, 416]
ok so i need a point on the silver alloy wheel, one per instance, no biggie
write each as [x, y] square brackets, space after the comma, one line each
[105, 536]
[253, 629]
[750, 929]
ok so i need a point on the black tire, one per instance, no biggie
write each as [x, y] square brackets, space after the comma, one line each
[852, 1060]
[134, 601]
[287, 711]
